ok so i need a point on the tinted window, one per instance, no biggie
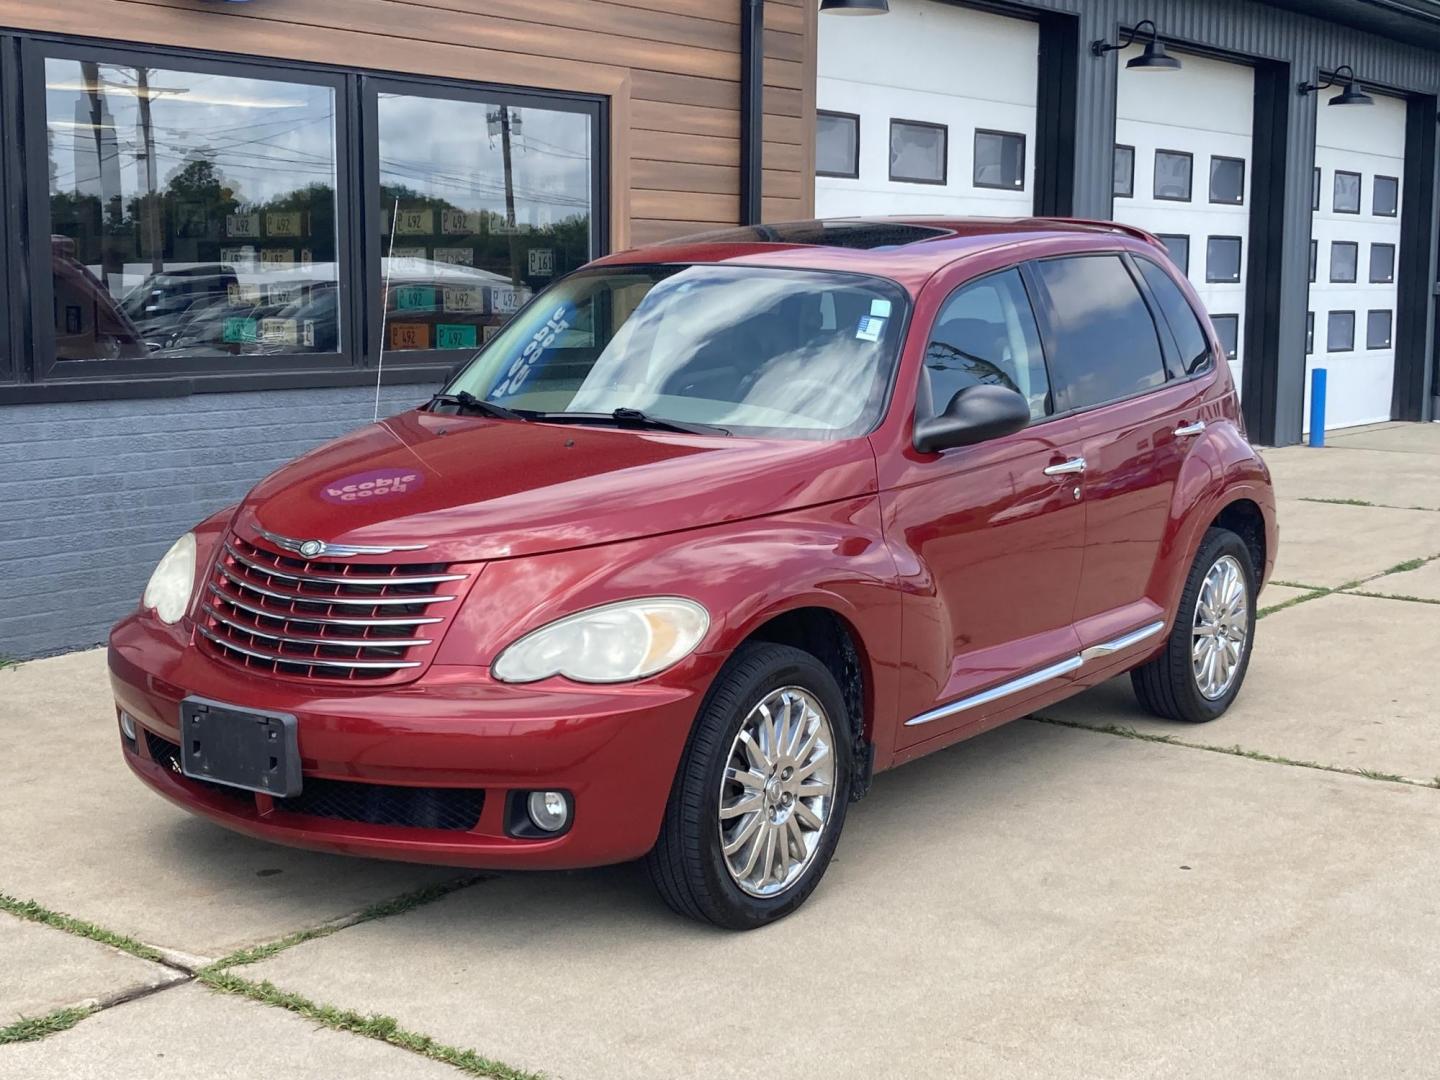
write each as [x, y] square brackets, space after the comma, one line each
[1347, 193]
[1227, 180]
[1344, 254]
[1178, 245]
[917, 152]
[1227, 329]
[1340, 331]
[1172, 175]
[1222, 258]
[985, 334]
[837, 144]
[999, 160]
[1189, 334]
[1124, 171]
[1382, 262]
[1105, 340]
[1385, 199]
[1377, 330]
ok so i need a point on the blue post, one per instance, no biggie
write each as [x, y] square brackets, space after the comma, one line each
[1317, 406]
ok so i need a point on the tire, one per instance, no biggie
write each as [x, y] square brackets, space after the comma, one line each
[688, 864]
[1169, 685]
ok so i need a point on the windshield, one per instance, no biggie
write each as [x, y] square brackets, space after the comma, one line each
[790, 353]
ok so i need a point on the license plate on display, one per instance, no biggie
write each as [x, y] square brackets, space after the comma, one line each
[244, 748]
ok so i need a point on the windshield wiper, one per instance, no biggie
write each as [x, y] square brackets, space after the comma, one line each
[630, 418]
[468, 402]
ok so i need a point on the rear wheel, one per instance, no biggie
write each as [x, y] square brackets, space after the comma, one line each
[760, 797]
[1200, 670]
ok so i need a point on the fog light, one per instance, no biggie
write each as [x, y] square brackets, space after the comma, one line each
[549, 810]
[127, 725]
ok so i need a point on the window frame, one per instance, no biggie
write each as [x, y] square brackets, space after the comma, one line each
[855, 144]
[1330, 263]
[1218, 337]
[975, 157]
[1162, 237]
[1309, 333]
[1389, 314]
[1316, 183]
[1211, 186]
[1359, 191]
[369, 88]
[1129, 193]
[1314, 260]
[1239, 260]
[1330, 315]
[1370, 269]
[13, 367]
[1154, 181]
[1375, 187]
[944, 130]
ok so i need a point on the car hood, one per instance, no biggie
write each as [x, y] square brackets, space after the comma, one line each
[472, 488]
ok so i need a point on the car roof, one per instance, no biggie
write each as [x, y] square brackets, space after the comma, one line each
[907, 248]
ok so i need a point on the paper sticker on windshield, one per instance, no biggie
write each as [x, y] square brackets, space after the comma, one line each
[870, 328]
[372, 485]
[880, 308]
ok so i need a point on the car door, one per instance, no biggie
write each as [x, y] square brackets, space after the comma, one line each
[990, 536]
[1118, 368]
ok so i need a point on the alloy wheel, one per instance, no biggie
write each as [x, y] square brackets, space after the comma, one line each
[1221, 626]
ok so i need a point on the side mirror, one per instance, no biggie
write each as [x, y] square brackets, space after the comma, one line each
[975, 414]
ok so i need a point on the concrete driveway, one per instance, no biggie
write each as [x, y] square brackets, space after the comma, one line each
[1087, 893]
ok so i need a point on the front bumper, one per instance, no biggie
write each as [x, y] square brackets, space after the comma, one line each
[615, 749]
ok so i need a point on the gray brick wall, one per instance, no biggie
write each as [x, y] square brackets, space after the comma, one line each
[92, 493]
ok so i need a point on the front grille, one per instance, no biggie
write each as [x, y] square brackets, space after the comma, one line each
[270, 611]
[454, 809]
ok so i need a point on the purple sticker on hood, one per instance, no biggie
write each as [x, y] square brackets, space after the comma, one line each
[374, 484]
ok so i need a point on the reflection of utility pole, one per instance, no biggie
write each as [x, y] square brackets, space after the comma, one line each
[111, 261]
[153, 238]
[509, 193]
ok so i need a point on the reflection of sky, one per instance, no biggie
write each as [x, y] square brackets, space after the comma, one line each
[444, 149]
[265, 138]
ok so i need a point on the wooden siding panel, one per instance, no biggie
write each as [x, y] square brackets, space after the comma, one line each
[693, 149]
[684, 206]
[687, 119]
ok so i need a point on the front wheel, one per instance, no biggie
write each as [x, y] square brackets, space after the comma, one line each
[1199, 672]
[760, 797]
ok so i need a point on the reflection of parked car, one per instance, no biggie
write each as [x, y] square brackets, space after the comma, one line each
[166, 300]
[89, 325]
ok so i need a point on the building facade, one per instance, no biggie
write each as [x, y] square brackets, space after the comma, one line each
[234, 230]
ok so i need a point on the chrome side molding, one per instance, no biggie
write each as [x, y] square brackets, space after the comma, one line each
[1043, 675]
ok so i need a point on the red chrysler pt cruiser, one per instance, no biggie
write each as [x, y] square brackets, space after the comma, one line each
[708, 535]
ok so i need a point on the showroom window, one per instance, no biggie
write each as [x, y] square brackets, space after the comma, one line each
[1385, 197]
[1382, 263]
[1173, 170]
[1377, 330]
[837, 144]
[1347, 193]
[1227, 329]
[1227, 180]
[1222, 259]
[918, 152]
[999, 160]
[1124, 186]
[481, 203]
[1344, 260]
[1340, 331]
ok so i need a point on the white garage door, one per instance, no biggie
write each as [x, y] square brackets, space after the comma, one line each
[1182, 171]
[930, 109]
[1355, 245]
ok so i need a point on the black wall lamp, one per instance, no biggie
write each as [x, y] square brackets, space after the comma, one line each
[1154, 58]
[1344, 76]
[854, 7]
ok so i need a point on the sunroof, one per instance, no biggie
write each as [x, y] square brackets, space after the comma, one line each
[861, 235]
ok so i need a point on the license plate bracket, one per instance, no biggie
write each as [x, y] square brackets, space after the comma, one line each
[243, 748]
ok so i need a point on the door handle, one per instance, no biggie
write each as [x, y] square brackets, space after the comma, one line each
[1065, 468]
[1190, 429]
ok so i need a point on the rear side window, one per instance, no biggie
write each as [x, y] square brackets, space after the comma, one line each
[1106, 346]
[1184, 324]
[986, 334]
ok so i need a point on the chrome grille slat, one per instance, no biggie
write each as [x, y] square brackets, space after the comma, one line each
[342, 642]
[271, 611]
[327, 620]
[336, 579]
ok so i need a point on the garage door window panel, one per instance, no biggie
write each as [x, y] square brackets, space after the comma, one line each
[999, 160]
[1377, 329]
[1315, 188]
[1105, 342]
[837, 145]
[986, 335]
[1340, 332]
[1124, 185]
[918, 152]
[1222, 259]
[1346, 196]
[1174, 170]
[1309, 332]
[1385, 197]
[1190, 339]
[1314, 259]
[1178, 247]
[1382, 264]
[1227, 329]
[1227, 180]
[1344, 261]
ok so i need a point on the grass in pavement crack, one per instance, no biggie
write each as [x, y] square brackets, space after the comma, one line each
[1236, 751]
[1397, 596]
[30, 910]
[385, 1029]
[38, 1027]
[383, 910]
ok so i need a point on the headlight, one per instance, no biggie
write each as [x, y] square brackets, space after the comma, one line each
[168, 593]
[614, 643]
